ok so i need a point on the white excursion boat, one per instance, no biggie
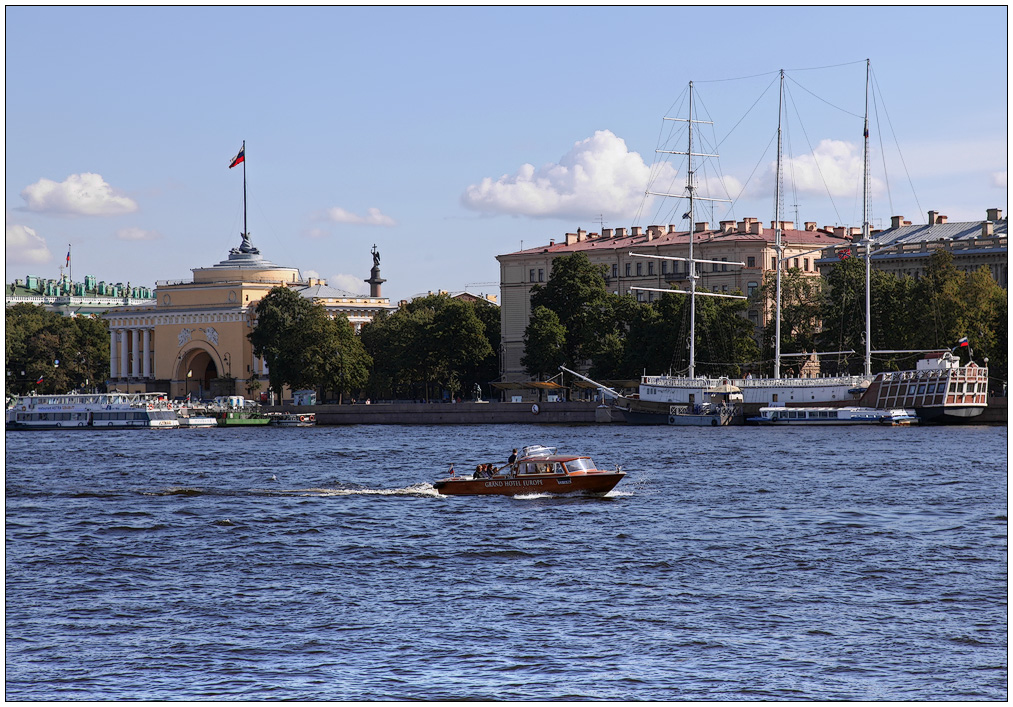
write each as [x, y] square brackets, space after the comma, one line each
[833, 416]
[91, 411]
[190, 417]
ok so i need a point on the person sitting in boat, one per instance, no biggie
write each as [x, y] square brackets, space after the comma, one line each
[482, 471]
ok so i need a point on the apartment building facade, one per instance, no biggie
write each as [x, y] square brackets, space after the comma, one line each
[748, 241]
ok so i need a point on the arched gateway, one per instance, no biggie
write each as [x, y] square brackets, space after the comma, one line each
[194, 340]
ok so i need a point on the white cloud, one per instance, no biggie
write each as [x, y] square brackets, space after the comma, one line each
[84, 194]
[24, 246]
[307, 274]
[835, 166]
[999, 179]
[317, 232]
[349, 283]
[137, 234]
[373, 217]
[598, 176]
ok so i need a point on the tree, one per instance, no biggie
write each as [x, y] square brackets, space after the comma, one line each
[576, 292]
[544, 344]
[800, 300]
[304, 347]
[63, 352]
[280, 315]
[348, 370]
[435, 340]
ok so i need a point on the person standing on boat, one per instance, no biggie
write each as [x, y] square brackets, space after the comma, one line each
[513, 457]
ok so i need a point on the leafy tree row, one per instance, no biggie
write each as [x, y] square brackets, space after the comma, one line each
[64, 353]
[576, 322]
[932, 312]
[305, 348]
[432, 345]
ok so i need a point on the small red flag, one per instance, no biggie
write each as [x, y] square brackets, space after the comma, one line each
[241, 157]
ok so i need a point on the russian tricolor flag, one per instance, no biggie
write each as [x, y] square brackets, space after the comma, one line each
[241, 157]
[962, 342]
[39, 382]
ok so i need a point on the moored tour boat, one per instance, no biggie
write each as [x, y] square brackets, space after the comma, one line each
[90, 411]
[833, 416]
[538, 469]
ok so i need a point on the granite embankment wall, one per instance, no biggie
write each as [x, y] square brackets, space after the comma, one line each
[568, 413]
[449, 413]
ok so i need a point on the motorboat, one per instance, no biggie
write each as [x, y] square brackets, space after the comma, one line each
[293, 419]
[538, 469]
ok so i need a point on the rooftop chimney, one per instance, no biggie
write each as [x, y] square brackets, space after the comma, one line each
[994, 214]
[620, 232]
[701, 226]
[606, 233]
[936, 217]
[810, 225]
[635, 231]
[987, 229]
[671, 228]
[896, 221]
[727, 226]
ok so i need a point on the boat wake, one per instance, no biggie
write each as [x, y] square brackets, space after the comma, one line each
[420, 489]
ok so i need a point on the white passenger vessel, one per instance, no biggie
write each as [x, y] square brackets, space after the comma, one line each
[833, 416]
[91, 411]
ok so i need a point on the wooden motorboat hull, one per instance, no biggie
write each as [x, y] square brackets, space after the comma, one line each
[530, 483]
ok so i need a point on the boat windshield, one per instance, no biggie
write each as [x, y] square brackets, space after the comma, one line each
[579, 465]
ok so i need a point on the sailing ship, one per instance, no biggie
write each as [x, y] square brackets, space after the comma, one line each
[660, 394]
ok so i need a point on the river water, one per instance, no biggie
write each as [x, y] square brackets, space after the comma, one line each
[318, 563]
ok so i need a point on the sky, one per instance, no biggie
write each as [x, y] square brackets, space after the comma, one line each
[446, 136]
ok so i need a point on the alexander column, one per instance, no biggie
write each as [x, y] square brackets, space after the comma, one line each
[374, 275]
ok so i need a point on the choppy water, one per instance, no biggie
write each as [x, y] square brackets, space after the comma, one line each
[731, 564]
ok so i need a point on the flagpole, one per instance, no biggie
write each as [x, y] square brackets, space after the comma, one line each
[245, 232]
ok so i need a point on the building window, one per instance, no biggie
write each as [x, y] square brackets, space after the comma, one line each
[628, 269]
[714, 267]
[531, 275]
[773, 263]
[751, 288]
[754, 318]
[650, 268]
[664, 267]
[640, 269]
[724, 268]
[615, 270]
[541, 275]
[724, 288]
[794, 263]
[751, 261]
[805, 264]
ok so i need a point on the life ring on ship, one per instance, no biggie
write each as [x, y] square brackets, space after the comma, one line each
[714, 423]
[671, 419]
[534, 409]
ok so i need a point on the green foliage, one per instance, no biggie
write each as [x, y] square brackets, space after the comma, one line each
[431, 343]
[36, 338]
[800, 299]
[933, 312]
[304, 347]
[576, 292]
[544, 344]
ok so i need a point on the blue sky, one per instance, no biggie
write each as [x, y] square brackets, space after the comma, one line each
[449, 135]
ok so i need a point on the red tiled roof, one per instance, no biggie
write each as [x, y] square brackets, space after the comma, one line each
[595, 242]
